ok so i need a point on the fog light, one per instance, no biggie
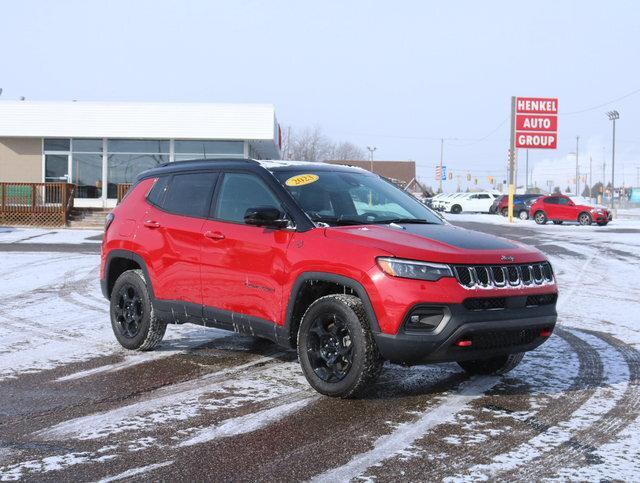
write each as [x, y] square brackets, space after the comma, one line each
[425, 319]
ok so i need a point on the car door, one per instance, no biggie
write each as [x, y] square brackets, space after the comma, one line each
[551, 207]
[470, 203]
[172, 231]
[484, 202]
[566, 210]
[243, 267]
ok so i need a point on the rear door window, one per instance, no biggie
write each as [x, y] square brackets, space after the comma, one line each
[551, 201]
[156, 194]
[190, 194]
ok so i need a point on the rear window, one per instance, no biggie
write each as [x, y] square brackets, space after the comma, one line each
[190, 194]
[156, 194]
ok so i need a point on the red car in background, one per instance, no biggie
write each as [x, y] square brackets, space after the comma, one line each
[559, 208]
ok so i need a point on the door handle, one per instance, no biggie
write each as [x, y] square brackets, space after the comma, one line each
[213, 235]
[151, 224]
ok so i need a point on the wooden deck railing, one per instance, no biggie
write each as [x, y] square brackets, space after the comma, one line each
[122, 190]
[36, 204]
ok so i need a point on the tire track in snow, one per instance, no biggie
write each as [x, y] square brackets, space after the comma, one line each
[522, 458]
[407, 433]
[581, 448]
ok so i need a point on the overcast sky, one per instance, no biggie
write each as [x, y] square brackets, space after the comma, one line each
[397, 75]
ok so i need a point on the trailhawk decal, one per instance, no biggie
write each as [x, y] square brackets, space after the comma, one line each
[302, 179]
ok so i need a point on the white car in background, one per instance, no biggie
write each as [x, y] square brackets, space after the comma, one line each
[479, 202]
[445, 202]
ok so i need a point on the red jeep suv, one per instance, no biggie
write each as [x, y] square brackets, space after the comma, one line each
[559, 208]
[331, 260]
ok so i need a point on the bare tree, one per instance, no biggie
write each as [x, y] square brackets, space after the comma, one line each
[345, 151]
[311, 144]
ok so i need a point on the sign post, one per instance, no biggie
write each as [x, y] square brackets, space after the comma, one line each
[534, 125]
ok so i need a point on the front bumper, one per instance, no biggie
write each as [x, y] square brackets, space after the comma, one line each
[491, 332]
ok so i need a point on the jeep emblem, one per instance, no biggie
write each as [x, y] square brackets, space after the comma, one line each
[507, 258]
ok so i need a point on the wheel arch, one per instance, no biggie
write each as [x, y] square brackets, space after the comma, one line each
[297, 303]
[119, 261]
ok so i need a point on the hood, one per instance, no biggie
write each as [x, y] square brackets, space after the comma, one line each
[437, 243]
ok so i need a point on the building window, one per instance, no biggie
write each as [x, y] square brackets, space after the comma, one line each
[188, 149]
[52, 144]
[127, 158]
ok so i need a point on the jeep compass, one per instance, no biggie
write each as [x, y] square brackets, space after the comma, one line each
[333, 261]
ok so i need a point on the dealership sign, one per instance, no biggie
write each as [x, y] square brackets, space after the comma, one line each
[536, 123]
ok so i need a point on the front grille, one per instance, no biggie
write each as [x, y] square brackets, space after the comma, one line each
[497, 276]
[489, 303]
[542, 299]
[498, 339]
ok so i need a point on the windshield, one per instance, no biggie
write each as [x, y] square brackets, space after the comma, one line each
[348, 198]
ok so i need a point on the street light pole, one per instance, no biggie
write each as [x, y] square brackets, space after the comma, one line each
[371, 150]
[441, 158]
[613, 116]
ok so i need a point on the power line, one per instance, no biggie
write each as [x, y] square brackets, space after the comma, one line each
[599, 106]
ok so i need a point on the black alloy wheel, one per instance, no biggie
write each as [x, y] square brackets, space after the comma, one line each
[128, 311]
[329, 347]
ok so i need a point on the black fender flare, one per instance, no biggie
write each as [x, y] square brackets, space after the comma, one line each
[128, 255]
[327, 277]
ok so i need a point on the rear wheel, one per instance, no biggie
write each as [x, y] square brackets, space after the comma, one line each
[456, 209]
[540, 217]
[495, 365]
[584, 219]
[336, 348]
[504, 212]
[133, 319]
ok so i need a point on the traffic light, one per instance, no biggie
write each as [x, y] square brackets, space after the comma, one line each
[468, 176]
[475, 180]
[450, 175]
[490, 179]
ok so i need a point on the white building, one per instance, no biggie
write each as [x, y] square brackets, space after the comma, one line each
[98, 145]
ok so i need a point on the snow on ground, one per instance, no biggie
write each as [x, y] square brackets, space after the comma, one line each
[578, 394]
[48, 235]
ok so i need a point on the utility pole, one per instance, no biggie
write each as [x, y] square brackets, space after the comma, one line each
[590, 176]
[441, 158]
[526, 173]
[577, 167]
[371, 150]
[613, 116]
[512, 158]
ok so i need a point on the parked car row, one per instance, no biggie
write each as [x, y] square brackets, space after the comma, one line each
[556, 208]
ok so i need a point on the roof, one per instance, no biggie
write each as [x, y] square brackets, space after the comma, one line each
[140, 120]
[271, 165]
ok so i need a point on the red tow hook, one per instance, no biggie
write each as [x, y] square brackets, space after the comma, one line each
[464, 343]
[545, 332]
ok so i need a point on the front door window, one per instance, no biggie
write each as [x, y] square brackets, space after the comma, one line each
[56, 168]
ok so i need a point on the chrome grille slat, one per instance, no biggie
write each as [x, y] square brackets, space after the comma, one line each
[501, 276]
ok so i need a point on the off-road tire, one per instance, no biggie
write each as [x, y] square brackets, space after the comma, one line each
[367, 362]
[540, 217]
[151, 329]
[585, 219]
[523, 215]
[495, 365]
[456, 209]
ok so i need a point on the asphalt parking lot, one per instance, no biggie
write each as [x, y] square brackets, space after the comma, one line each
[212, 405]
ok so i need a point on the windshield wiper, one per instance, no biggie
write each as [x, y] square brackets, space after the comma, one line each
[404, 220]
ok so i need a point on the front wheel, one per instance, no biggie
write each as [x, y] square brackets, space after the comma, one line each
[540, 218]
[523, 215]
[584, 219]
[603, 223]
[133, 319]
[336, 348]
[495, 365]
[456, 209]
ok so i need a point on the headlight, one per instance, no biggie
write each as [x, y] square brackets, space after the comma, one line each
[397, 267]
[599, 211]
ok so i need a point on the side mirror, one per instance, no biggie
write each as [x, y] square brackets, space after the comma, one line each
[267, 216]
